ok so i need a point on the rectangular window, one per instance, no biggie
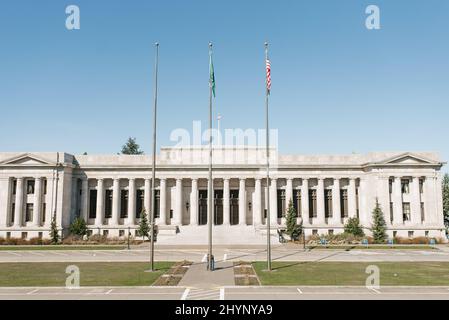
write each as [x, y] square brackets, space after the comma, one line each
[124, 204]
[344, 203]
[406, 211]
[108, 204]
[391, 212]
[157, 203]
[121, 233]
[13, 212]
[357, 203]
[405, 186]
[44, 211]
[331, 232]
[390, 185]
[40, 235]
[281, 203]
[171, 213]
[92, 204]
[410, 234]
[140, 198]
[29, 212]
[14, 187]
[328, 203]
[426, 234]
[45, 186]
[423, 216]
[421, 186]
[297, 202]
[105, 233]
[312, 204]
[24, 235]
[30, 186]
[314, 232]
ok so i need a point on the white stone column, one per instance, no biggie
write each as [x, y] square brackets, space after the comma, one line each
[116, 202]
[430, 200]
[132, 201]
[163, 201]
[226, 202]
[37, 202]
[383, 191]
[352, 199]
[177, 214]
[273, 203]
[415, 203]
[257, 208]
[321, 219]
[336, 205]
[5, 201]
[18, 211]
[84, 199]
[398, 218]
[305, 201]
[194, 203]
[288, 192]
[147, 197]
[50, 201]
[100, 203]
[242, 202]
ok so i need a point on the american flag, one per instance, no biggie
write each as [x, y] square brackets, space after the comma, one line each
[268, 63]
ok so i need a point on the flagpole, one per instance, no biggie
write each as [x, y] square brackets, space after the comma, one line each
[268, 168]
[153, 171]
[210, 182]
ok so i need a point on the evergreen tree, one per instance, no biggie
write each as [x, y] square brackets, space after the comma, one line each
[293, 229]
[144, 226]
[54, 233]
[78, 227]
[379, 226]
[131, 147]
[353, 227]
[445, 188]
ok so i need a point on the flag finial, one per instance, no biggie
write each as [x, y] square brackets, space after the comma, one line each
[157, 44]
[266, 44]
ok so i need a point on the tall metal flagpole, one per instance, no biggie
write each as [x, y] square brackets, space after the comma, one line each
[153, 171]
[268, 167]
[210, 182]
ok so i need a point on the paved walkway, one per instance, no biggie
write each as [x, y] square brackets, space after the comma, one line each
[198, 277]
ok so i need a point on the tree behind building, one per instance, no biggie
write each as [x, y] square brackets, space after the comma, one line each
[446, 201]
[131, 147]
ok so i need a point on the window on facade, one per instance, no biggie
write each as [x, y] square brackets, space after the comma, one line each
[328, 203]
[92, 204]
[423, 216]
[357, 208]
[312, 204]
[391, 212]
[395, 233]
[421, 186]
[390, 185]
[124, 204]
[29, 212]
[281, 203]
[30, 186]
[105, 233]
[344, 203]
[157, 195]
[108, 204]
[406, 211]
[314, 232]
[14, 187]
[40, 235]
[410, 234]
[44, 186]
[24, 235]
[140, 198]
[426, 234]
[405, 186]
[44, 211]
[171, 213]
[297, 202]
[121, 233]
[13, 211]
[331, 232]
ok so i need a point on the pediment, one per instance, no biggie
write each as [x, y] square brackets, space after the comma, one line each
[26, 160]
[408, 158]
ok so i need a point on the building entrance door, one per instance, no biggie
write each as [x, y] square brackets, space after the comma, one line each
[218, 207]
[202, 207]
[234, 206]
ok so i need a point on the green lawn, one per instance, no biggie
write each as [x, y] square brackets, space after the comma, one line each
[62, 247]
[91, 274]
[353, 273]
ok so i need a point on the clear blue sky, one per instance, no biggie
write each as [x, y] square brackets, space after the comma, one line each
[337, 87]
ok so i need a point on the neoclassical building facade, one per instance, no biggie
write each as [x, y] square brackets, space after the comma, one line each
[111, 191]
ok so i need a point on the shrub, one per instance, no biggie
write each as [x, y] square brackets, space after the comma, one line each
[78, 227]
[353, 227]
[379, 226]
[293, 229]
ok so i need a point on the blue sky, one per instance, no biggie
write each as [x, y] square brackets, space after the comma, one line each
[336, 86]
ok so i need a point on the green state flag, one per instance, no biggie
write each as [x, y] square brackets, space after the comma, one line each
[212, 75]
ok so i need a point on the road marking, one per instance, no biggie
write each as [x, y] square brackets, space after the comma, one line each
[33, 291]
[185, 294]
[204, 258]
[299, 290]
[14, 253]
[222, 293]
[225, 257]
[109, 291]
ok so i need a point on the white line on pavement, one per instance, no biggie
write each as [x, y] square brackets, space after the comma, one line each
[185, 294]
[299, 290]
[375, 290]
[14, 253]
[222, 293]
[33, 291]
[109, 291]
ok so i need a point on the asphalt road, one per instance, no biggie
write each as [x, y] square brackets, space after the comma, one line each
[198, 254]
[226, 293]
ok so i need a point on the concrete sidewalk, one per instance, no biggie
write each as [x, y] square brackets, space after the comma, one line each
[197, 276]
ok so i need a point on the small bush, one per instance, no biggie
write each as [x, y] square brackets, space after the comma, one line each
[353, 227]
[78, 227]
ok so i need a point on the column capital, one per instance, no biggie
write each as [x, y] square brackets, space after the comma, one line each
[38, 178]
